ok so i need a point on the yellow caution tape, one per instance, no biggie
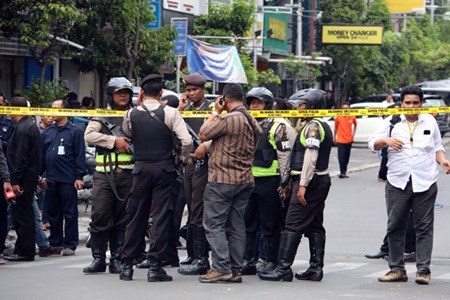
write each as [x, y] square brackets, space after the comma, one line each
[39, 111]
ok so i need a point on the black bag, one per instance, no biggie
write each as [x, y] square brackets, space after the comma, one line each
[382, 172]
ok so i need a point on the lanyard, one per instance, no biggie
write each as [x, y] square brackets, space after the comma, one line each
[411, 132]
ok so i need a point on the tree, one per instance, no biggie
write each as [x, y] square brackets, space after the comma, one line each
[39, 25]
[121, 42]
[234, 20]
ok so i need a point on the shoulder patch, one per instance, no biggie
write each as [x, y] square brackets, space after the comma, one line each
[312, 135]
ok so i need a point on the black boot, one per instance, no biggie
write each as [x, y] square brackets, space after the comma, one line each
[201, 253]
[251, 245]
[156, 272]
[98, 249]
[317, 251]
[116, 240]
[272, 245]
[126, 272]
[288, 248]
[189, 247]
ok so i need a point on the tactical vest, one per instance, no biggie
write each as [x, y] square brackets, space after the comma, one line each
[152, 139]
[326, 143]
[103, 155]
[196, 123]
[265, 162]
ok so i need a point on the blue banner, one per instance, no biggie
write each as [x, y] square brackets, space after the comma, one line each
[215, 62]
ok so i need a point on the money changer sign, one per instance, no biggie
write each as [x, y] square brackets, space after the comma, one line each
[351, 34]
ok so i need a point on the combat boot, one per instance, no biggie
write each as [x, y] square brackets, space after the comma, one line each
[201, 266]
[272, 245]
[249, 267]
[115, 244]
[317, 252]
[126, 272]
[98, 249]
[288, 248]
[189, 247]
[156, 272]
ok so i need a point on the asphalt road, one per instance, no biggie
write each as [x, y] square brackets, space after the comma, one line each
[355, 219]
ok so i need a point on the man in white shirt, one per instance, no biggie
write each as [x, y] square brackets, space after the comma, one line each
[414, 151]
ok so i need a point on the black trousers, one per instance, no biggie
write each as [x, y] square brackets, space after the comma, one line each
[23, 220]
[309, 218]
[264, 207]
[195, 179]
[108, 212]
[343, 151]
[152, 183]
[3, 219]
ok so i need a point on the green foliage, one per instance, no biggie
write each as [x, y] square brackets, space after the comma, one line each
[50, 91]
[300, 70]
[419, 53]
[268, 77]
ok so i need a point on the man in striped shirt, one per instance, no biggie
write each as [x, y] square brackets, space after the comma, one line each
[230, 182]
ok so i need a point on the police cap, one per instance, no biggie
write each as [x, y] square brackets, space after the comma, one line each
[195, 79]
[156, 78]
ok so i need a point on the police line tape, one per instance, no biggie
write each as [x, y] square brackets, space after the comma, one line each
[309, 113]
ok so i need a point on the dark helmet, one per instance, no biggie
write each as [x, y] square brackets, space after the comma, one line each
[260, 93]
[313, 98]
[115, 84]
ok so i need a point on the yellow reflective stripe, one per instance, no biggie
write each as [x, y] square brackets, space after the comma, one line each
[273, 170]
[322, 132]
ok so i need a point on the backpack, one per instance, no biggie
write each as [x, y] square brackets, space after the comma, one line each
[382, 172]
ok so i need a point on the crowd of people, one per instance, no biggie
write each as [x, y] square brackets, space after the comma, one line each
[253, 187]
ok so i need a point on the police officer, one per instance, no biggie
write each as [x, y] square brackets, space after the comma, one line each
[112, 179]
[310, 186]
[270, 168]
[196, 175]
[151, 127]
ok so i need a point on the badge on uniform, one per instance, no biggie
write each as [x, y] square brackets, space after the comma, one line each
[61, 148]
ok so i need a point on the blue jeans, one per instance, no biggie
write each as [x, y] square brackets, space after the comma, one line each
[62, 215]
[223, 219]
[41, 238]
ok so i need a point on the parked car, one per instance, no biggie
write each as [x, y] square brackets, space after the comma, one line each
[366, 125]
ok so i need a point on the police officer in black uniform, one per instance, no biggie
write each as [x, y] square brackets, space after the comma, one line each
[310, 186]
[112, 179]
[196, 175]
[152, 127]
[270, 168]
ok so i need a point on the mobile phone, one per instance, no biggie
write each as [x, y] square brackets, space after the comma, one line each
[221, 101]
[10, 195]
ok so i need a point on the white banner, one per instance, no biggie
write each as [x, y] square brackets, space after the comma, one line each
[191, 7]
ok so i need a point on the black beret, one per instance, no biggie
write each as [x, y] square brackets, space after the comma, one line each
[194, 79]
[152, 77]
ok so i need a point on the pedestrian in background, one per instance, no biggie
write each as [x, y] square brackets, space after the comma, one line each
[230, 182]
[23, 157]
[63, 168]
[414, 151]
[113, 179]
[344, 133]
[151, 127]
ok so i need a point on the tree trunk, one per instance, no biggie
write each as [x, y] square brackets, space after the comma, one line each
[42, 67]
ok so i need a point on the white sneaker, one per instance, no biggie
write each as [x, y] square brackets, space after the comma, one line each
[68, 252]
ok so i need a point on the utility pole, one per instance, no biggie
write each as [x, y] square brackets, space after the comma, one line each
[299, 28]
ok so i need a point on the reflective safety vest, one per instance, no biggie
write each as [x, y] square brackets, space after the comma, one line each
[265, 162]
[104, 156]
[121, 160]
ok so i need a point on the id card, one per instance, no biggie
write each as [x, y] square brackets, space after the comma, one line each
[61, 150]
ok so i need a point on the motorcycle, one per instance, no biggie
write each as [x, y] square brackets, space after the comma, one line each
[85, 194]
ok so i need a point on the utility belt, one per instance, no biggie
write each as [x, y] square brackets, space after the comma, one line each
[295, 175]
[197, 162]
[116, 163]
